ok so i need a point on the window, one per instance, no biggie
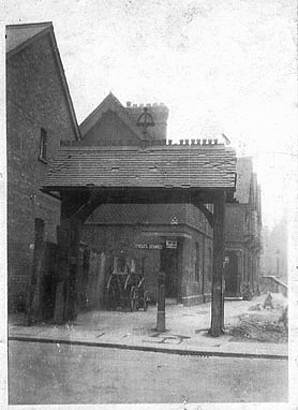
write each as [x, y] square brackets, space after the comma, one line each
[43, 145]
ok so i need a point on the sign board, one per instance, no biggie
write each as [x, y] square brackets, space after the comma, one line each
[155, 246]
[151, 246]
[174, 220]
[141, 245]
[171, 244]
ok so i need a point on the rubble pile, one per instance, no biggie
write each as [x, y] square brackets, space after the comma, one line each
[262, 331]
[265, 322]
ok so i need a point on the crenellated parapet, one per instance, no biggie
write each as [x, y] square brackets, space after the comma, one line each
[159, 113]
[152, 106]
[195, 142]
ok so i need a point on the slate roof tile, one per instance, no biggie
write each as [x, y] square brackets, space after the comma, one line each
[193, 166]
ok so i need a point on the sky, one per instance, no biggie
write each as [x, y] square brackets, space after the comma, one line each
[221, 66]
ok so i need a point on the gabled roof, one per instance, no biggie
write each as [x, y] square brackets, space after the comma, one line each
[210, 167]
[113, 104]
[244, 170]
[20, 36]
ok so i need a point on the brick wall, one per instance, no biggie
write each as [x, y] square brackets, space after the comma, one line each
[35, 100]
[235, 222]
[117, 239]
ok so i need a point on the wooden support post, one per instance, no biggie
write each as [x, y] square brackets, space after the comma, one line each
[74, 273]
[63, 239]
[203, 270]
[75, 208]
[33, 298]
[217, 303]
[161, 303]
[68, 265]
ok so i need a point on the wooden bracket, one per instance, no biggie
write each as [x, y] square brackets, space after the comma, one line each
[86, 207]
[208, 214]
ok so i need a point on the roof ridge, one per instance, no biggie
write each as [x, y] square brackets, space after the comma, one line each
[111, 97]
[113, 101]
[46, 28]
[172, 147]
[43, 23]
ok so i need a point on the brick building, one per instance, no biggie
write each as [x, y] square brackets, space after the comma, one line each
[243, 233]
[40, 115]
[275, 243]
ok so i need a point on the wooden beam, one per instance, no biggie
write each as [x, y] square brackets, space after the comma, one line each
[68, 236]
[217, 302]
[63, 241]
[163, 194]
[70, 312]
[79, 204]
[208, 214]
[33, 297]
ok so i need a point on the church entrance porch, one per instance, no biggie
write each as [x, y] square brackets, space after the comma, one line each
[86, 178]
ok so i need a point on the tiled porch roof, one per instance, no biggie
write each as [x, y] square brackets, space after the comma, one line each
[209, 166]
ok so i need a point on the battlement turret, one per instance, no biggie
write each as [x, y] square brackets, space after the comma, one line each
[159, 113]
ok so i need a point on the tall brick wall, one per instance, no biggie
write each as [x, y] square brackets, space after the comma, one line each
[35, 100]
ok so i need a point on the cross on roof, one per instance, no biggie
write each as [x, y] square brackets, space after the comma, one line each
[145, 120]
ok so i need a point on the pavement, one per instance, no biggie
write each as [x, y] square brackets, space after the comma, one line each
[186, 331]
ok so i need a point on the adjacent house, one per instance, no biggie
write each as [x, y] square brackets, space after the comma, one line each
[40, 115]
[275, 242]
[243, 233]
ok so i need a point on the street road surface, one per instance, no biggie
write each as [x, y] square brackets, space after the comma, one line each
[43, 373]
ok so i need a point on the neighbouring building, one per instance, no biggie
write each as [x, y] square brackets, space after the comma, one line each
[40, 115]
[275, 250]
[243, 233]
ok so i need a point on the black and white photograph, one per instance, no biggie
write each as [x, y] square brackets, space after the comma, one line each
[148, 193]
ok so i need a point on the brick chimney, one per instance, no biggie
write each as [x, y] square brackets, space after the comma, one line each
[159, 112]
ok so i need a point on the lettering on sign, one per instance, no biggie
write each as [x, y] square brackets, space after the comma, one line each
[155, 246]
[151, 246]
[171, 244]
[141, 246]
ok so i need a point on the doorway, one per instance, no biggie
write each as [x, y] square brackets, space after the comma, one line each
[169, 264]
[231, 275]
